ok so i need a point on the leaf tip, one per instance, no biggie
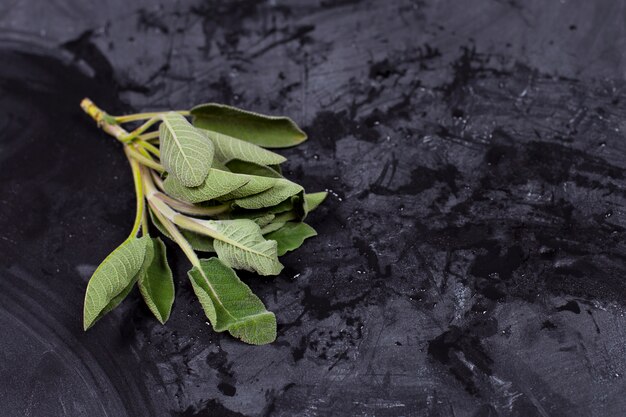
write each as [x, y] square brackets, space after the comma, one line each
[87, 324]
[302, 136]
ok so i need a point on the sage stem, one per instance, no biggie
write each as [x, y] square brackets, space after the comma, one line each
[145, 116]
[136, 155]
[165, 215]
[149, 135]
[150, 148]
[132, 135]
[134, 165]
[192, 209]
[105, 122]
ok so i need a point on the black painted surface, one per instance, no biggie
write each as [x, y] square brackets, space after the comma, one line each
[470, 259]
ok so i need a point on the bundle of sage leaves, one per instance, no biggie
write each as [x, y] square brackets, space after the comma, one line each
[211, 186]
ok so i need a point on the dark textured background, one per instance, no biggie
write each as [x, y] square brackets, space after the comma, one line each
[471, 257]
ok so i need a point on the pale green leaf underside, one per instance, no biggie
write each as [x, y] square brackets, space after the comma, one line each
[198, 242]
[263, 213]
[216, 184]
[280, 191]
[156, 282]
[113, 279]
[255, 185]
[186, 152]
[286, 216]
[262, 130]
[219, 164]
[281, 207]
[272, 227]
[230, 304]
[291, 236]
[240, 245]
[228, 148]
[263, 220]
[250, 168]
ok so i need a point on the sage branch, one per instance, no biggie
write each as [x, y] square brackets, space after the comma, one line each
[210, 185]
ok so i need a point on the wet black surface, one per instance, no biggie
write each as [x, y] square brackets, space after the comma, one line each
[470, 259]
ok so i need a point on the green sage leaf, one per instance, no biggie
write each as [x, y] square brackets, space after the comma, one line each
[300, 206]
[216, 184]
[255, 185]
[276, 168]
[287, 216]
[198, 242]
[240, 245]
[291, 236]
[230, 305]
[113, 279]
[264, 220]
[313, 200]
[155, 282]
[280, 191]
[250, 168]
[266, 131]
[186, 152]
[277, 210]
[272, 227]
[228, 148]
[219, 164]
[283, 206]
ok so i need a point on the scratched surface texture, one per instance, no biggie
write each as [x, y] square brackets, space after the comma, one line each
[471, 259]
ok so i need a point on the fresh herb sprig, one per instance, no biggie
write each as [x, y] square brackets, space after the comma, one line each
[210, 186]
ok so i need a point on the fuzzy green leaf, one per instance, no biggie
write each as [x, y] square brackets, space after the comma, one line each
[217, 184]
[219, 164]
[155, 282]
[264, 220]
[276, 168]
[272, 227]
[287, 216]
[250, 168]
[266, 131]
[198, 242]
[313, 200]
[113, 279]
[281, 207]
[186, 152]
[228, 148]
[277, 210]
[280, 191]
[291, 236]
[230, 304]
[240, 245]
[300, 206]
[255, 185]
